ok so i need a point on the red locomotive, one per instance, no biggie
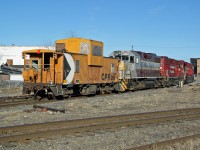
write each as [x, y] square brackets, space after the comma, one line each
[189, 72]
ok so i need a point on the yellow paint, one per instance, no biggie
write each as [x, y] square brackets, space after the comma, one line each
[82, 46]
[91, 68]
[122, 66]
[48, 71]
[72, 45]
[38, 51]
[93, 74]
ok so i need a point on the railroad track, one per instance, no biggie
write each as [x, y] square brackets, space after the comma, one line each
[23, 100]
[24, 133]
[175, 143]
[9, 101]
[11, 98]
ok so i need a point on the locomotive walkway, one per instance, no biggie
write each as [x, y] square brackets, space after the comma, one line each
[25, 133]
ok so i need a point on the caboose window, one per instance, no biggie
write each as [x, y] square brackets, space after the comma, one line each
[47, 60]
[112, 68]
[60, 47]
[77, 66]
[35, 64]
[97, 51]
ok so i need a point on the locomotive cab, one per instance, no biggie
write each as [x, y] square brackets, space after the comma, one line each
[129, 60]
[138, 70]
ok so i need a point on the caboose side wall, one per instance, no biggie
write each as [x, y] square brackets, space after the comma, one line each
[95, 57]
[81, 68]
[87, 74]
[73, 45]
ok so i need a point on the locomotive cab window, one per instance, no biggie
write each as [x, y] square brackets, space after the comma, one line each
[125, 58]
[132, 59]
[118, 57]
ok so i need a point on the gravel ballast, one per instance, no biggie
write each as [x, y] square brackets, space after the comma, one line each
[113, 104]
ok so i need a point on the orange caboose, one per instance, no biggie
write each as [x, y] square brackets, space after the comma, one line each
[77, 66]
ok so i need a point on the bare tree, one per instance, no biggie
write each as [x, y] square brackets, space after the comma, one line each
[48, 44]
[71, 34]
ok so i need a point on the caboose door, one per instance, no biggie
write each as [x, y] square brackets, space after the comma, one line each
[48, 69]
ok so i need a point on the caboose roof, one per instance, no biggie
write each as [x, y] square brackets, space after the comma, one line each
[39, 50]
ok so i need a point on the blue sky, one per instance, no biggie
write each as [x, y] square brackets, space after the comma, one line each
[164, 27]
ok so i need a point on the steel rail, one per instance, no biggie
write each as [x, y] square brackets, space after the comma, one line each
[9, 101]
[28, 132]
[167, 143]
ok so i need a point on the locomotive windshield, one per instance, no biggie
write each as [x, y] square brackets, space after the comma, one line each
[118, 57]
[126, 58]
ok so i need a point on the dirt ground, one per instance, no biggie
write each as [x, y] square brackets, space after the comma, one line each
[124, 103]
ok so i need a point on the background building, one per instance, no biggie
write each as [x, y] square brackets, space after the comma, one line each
[11, 62]
[14, 53]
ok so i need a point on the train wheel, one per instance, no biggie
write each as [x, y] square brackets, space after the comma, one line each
[51, 96]
[60, 97]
